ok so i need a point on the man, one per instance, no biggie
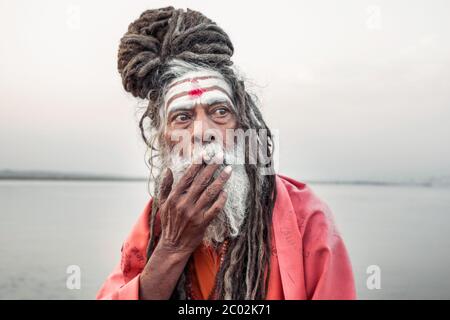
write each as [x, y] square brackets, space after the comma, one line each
[221, 224]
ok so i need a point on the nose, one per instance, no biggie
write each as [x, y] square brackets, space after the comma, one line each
[205, 130]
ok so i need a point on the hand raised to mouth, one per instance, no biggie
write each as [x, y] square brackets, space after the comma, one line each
[187, 208]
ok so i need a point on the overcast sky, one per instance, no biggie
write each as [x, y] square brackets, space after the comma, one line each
[356, 89]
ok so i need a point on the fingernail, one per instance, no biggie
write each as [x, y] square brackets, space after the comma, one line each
[228, 169]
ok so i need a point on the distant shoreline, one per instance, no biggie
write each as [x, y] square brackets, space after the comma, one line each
[58, 176]
[12, 175]
[71, 179]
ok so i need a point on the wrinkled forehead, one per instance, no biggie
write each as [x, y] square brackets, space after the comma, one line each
[197, 87]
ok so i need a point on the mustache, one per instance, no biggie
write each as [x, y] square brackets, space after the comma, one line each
[209, 153]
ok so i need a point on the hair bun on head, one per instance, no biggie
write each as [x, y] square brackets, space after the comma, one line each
[162, 34]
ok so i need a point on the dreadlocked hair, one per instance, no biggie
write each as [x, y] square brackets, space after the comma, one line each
[161, 45]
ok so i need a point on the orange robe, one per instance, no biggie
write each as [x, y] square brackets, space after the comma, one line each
[309, 259]
[206, 265]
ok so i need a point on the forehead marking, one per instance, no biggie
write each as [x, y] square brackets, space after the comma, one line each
[196, 93]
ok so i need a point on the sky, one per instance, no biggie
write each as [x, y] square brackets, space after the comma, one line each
[356, 90]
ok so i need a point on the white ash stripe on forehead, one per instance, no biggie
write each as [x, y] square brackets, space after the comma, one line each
[207, 81]
[196, 93]
[187, 87]
[208, 98]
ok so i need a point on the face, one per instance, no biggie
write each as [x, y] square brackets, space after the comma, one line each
[200, 105]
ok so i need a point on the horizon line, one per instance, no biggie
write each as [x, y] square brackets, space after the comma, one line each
[8, 174]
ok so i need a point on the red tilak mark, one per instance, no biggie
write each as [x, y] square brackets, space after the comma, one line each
[196, 92]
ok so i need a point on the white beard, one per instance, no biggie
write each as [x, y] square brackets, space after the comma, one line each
[229, 221]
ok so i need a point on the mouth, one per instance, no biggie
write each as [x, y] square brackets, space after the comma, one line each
[213, 153]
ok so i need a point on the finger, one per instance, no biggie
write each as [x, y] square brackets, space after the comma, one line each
[212, 191]
[215, 209]
[204, 177]
[202, 180]
[166, 186]
[187, 178]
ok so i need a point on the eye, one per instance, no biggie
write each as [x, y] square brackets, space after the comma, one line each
[181, 117]
[221, 111]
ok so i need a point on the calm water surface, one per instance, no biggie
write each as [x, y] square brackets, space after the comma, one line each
[46, 226]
